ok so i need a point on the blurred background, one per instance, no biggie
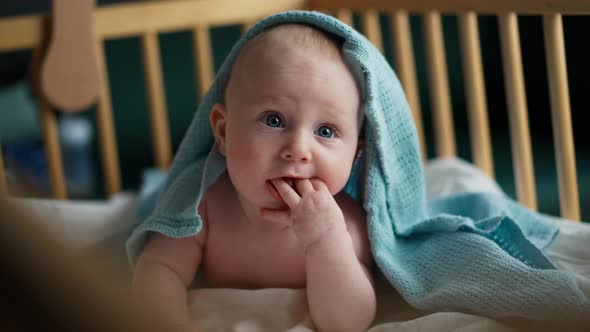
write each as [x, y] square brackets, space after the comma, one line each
[22, 147]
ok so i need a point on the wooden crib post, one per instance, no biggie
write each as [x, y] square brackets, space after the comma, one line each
[439, 86]
[372, 29]
[106, 129]
[517, 110]
[48, 118]
[406, 69]
[481, 147]
[204, 60]
[69, 75]
[345, 15]
[157, 100]
[561, 117]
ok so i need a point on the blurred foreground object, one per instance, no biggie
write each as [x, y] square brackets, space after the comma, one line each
[49, 287]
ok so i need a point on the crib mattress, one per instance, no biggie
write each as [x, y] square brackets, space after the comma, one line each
[84, 224]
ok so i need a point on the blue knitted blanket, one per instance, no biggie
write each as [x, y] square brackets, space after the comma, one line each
[475, 252]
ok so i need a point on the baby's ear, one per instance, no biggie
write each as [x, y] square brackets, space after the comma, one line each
[217, 120]
[360, 147]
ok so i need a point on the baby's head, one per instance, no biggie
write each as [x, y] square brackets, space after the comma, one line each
[291, 110]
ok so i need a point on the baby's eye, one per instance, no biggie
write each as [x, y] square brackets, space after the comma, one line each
[325, 132]
[274, 121]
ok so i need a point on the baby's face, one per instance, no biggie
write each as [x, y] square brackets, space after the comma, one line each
[290, 113]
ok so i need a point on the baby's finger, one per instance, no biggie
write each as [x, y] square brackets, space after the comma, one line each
[304, 186]
[319, 185]
[288, 194]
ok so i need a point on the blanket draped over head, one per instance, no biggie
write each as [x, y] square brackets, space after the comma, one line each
[480, 253]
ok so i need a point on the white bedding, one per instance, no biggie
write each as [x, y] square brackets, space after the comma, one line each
[84, 224]
[286, 310]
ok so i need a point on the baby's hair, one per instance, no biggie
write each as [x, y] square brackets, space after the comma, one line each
[297, 34]
[300, 35]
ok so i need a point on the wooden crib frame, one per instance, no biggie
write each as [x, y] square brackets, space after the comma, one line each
[147, 19]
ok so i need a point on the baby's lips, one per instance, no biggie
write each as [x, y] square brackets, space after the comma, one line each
[290, 181]
[273, 191]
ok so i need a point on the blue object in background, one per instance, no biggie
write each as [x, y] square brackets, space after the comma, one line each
[76, 137]
[23, 149]
[20, 137]
[18, 115]
[26, 166]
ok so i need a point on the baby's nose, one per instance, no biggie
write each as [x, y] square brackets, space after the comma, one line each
[296, 156]
[297, 150]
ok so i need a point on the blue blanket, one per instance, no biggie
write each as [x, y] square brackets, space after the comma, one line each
[476, 252]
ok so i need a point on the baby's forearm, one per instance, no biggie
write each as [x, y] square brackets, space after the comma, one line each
[163, 292]
[340, 293]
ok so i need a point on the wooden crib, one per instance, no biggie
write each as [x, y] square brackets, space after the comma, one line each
[148, 19]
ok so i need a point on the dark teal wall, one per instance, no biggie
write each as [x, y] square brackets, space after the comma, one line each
[130, 103]
[129, 97]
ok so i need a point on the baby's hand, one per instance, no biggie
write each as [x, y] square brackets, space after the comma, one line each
[313, 211]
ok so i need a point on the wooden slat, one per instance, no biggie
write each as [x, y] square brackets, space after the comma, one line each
[561, 117]
[134, 18]
[517, 110]
[3, 185]
[475, 93]
[204, 64]
[157, 100]
[453, 6]
[129, 19]
[52, 149]
[248, 25]
[19, 33]
[406, 68]
[49, 127]
[106, 130]
[345, 15]
[372, 29]
[439, 86]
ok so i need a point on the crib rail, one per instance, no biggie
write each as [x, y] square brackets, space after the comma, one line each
[570, 7]
[467, 12]
[149, 19]
[146, 20]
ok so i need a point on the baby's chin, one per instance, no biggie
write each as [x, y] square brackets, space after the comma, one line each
[274, 206]
[278, 216]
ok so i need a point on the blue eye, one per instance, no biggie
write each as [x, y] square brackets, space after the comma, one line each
[274, 121]
[325, 132]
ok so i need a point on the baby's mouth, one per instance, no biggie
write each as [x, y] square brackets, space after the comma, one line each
[290, 182]
[275, 193]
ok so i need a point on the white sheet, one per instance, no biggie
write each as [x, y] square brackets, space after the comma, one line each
[276, 310]
[82, 224]
[86, 223]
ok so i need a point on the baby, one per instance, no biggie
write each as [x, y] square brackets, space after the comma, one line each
[289, 130]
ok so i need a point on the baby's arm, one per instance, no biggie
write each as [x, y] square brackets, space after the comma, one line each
[333, 234]
[339, 285]
[164, 273]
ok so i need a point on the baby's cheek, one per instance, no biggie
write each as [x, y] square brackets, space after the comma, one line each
[247, 158]
[337, 178]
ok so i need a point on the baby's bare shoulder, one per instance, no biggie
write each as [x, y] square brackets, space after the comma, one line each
[356, 223]
[352, 210]
[210, 204]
